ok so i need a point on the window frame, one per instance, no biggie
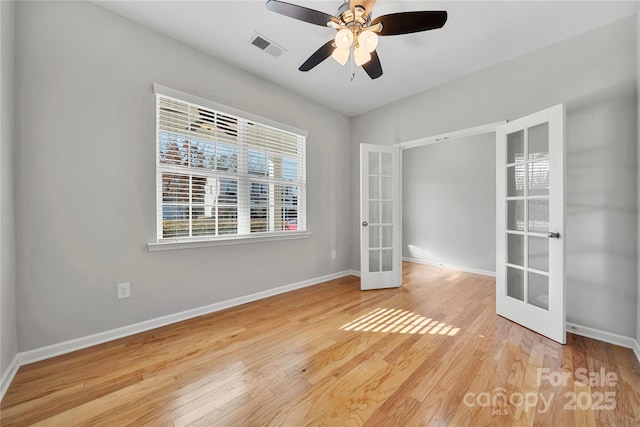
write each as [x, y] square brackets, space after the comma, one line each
[243, 178]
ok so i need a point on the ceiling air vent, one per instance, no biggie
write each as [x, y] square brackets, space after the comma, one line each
[263, 43]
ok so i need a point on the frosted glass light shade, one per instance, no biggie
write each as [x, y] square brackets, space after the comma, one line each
[344, 39]
[361, 56]
[368, 40]
[340, 55]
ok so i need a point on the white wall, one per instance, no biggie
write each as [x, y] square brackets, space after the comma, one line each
[86, 177]
[449, 203]
[594, 74]
[8, 331]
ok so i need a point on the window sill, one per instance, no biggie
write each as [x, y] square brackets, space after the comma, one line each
[224, 241]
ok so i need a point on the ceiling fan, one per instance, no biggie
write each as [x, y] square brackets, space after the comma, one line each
[357, 34]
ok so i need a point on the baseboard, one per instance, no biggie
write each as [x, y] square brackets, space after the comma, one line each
[7, 376]
[450, 267]
[636, 350]
[65, 347]
[609, 337]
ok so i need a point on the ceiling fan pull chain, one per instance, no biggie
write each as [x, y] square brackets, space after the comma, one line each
[352, 61]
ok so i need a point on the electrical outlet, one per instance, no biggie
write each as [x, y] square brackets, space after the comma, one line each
[333, 254]
[124, 290]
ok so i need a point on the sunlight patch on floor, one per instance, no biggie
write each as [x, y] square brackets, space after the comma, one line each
[399, 321]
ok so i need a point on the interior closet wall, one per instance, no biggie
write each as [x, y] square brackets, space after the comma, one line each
[449, 203]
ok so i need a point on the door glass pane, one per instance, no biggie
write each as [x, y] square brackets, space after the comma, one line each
[387, 260]
[374, 164]
[387, 165]
[515, 215]
[539, 253]
[515, 283]
[387, 236]
[374, 187]
[387, 212]
[374, 236]
[515, 147]
[386, 188]
[515, 249]
[538, 215]
[539, 178]
[538, 290]
[374, 212]
[374, 260]
[539, 141]
[515, 181]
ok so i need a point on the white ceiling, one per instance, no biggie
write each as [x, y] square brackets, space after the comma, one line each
[478, 34]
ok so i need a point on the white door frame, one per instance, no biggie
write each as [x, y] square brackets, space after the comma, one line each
[450, 136]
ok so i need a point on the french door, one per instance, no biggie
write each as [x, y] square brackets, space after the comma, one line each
[380, 224]
[530, 279]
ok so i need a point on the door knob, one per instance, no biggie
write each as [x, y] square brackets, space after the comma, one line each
[365, 223]
[553, 235]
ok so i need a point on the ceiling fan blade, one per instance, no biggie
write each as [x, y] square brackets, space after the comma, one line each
[410, 22]
[373, 66]
[300, 13]
[318, 56]
[367, 5]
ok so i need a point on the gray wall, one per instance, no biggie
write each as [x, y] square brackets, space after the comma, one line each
[638, 70]
[86, 177]
[594, 74]
[449, 203]
[8, 331]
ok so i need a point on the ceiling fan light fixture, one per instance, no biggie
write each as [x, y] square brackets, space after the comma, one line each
[368, 40]
[344, 39]
[340, 55]
[361, 56]
[357, 32]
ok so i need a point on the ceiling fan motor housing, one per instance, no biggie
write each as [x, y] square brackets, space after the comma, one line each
[347, 18]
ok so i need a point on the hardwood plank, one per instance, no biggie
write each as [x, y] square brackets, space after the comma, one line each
[424, 354]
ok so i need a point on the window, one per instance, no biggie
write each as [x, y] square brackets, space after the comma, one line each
[223, 173]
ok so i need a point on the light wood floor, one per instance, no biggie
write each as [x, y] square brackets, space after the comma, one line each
[430, 353]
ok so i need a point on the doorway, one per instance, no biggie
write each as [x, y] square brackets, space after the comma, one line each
[529, 213]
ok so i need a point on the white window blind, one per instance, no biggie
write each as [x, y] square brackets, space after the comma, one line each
[221, 175]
